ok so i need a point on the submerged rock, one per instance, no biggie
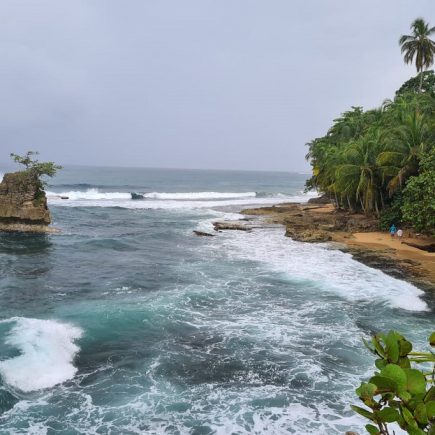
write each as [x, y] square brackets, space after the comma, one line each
[202, 233]
[23, 205]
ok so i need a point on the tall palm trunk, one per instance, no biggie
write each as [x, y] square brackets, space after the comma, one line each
[362, 204]
[382, 198]
[420, 88]
[349, 204]
[376, 208]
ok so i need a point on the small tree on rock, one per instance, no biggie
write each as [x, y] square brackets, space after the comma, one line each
[36, 168]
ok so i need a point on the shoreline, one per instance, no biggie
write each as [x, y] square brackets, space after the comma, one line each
[409, 259]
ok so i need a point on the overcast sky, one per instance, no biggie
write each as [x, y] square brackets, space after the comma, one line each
[232, 84]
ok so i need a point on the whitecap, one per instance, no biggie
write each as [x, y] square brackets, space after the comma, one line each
[199, 195]
[89, 194]
[47, 349]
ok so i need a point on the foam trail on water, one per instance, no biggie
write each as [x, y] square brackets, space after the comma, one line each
[90, 194]
[333, 270]
[199, 195]
[175, 200]
[47, 350]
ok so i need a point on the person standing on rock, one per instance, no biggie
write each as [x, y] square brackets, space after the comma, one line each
[393, 230]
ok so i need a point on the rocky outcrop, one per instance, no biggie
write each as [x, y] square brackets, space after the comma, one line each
[312, 236]
[324, 199]
[202, 233]
[23, 205]
[231, 225]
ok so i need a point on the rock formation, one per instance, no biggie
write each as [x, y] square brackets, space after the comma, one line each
[231, 225]
[23, 204]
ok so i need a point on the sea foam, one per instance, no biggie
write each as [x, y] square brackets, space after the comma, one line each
[47, 350]
[170, 200]
[90, 194]
[334, 271]
[199, 195]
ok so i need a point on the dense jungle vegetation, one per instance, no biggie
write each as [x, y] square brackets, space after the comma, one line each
[382, 161]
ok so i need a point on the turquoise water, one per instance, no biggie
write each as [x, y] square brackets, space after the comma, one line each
[126, 323]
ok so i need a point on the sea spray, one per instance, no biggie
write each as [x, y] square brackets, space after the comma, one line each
[47, 350]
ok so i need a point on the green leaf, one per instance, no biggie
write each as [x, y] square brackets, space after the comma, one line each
[366, 391]
[395, 373]
[378, 346]
[384, 384]
[363, 412]
[430, 395]
[414, 431]
[392, 347]
[420, 414]
[404, 347]
[408, 417]
[380, 363]
[405, 396]
[430, 409]
[415, 382]
[388, 415]
[372, 430]
[432, 339]
[404, 362]
[368, 346]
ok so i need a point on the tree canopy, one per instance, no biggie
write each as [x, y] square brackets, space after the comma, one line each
[366, 159]
[382, 161]
[418, 47]
[35, 167]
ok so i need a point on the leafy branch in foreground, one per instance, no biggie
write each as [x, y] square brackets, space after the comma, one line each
[35, 167]
[399, 392]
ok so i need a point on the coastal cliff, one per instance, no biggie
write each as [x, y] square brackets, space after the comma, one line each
[23, 204]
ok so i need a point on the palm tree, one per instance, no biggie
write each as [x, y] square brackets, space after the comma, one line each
[419, 46]
[360, 176]
[407, 143]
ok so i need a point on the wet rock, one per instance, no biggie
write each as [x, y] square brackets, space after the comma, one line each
[230, 225]
[311, 236]
[202, 233]
[23, 204]
[324, 199]
[423, 247]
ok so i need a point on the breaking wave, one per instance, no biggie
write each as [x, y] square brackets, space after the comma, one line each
[47, 349]
[170, 200]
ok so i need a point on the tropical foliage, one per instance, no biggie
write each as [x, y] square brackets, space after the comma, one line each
[372, 161]
[401, 390]
[36, 168]
[367, 156]
[366, 159]
[419, 196]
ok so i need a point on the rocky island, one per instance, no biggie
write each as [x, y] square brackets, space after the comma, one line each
[23, 203]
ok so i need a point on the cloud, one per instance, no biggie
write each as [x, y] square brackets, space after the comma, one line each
[199, 84]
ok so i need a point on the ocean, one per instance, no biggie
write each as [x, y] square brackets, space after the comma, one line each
[125, 322]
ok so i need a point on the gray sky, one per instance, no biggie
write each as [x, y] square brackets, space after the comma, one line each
[236, 84]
